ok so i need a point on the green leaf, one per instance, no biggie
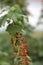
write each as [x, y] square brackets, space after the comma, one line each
[28, 57]
[4, 63]
[3, 53]
[13, 28]
[12, 8]
[15, 8]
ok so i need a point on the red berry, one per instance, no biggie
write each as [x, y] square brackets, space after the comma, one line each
[15, 53]
[25, 46]
[24, 53]
[23, 40]
[27, 62]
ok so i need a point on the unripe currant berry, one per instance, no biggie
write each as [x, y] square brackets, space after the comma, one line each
[17, 37]
[14, 22]
[12, 42]
[21, 35]
[17, 33]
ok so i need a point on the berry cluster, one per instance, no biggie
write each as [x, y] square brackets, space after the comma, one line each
[20, 46]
